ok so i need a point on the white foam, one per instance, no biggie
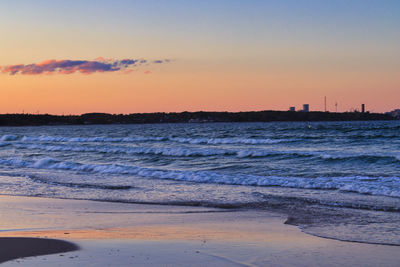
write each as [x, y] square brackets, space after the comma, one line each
[386, 186]
[200, 151]
[43, 163]
[209, 141]
[44, 138]
[217, 141]
[165, 151]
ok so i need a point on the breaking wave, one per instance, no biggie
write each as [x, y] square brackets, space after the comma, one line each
[8, 137]
[384, 186]
[208, 141]
[205, 152]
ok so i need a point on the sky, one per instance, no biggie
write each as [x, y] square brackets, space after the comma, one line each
[74, 57]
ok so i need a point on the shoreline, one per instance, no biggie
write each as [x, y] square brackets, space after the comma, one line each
[123, 234]
[189, 117]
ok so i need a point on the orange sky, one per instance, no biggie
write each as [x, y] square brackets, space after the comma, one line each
[238, 57]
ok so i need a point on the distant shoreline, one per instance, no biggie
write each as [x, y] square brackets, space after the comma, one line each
[186, 117]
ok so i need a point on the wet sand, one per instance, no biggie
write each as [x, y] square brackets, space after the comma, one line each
[120, 234]
[18, 247]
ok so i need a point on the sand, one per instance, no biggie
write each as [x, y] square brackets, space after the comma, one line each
[18, 247]
[117, 234]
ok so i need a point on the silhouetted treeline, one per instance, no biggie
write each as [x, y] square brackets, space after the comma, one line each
[253, 116]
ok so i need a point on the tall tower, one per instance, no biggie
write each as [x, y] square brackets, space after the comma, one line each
[363, 108]
[306, 107]
[325, 103]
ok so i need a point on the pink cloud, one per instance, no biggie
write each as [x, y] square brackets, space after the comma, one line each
[71, 66]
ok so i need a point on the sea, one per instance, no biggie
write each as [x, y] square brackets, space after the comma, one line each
[338, 180]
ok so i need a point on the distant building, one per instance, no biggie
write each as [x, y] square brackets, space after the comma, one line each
[292, 109]
[306, 107]
[363, 108]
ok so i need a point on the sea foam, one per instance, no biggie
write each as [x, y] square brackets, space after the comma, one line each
[386, 186]
[183, 140]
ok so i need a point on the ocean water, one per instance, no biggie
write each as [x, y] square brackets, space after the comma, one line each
[338, 180]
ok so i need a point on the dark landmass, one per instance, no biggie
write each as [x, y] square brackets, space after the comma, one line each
[201, 116]
[395, 113]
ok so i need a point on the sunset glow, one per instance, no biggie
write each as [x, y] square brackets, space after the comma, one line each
[164, 56]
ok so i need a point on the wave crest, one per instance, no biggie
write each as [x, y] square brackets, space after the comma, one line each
[385, 186]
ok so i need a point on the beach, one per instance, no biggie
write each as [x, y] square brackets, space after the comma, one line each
[201, 194]
[200, 133]
[120, 234]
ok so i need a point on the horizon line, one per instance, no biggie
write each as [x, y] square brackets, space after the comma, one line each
[186, 111]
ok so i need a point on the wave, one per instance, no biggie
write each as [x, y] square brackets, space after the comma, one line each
[8, 137]
[209, 141]
[196, 140]
[384, 186]
[230, 141]
[361, 157]
[165, 151]
[4, 144]
[205, 152]
[82, 185]
[44, 138]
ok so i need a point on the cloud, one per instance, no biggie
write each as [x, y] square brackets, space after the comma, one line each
[100, 64]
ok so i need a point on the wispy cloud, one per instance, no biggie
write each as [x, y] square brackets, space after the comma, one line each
[82, 66]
